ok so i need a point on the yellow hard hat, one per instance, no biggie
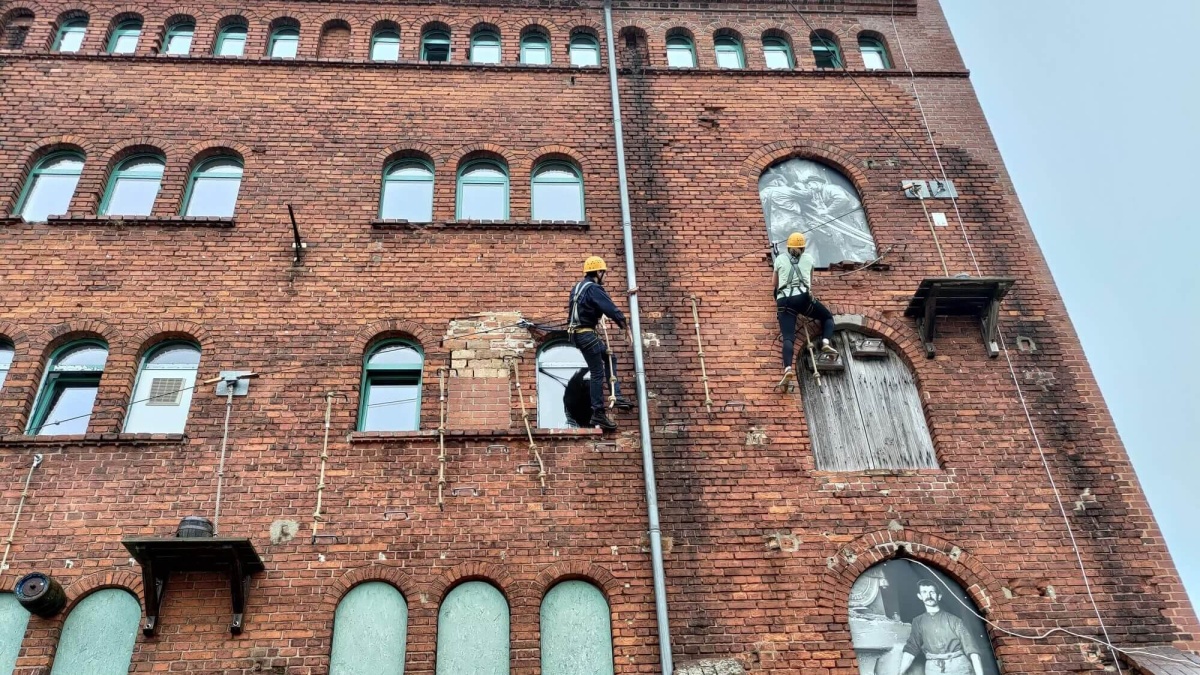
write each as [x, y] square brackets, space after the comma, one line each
[594, 264]
[796, 240]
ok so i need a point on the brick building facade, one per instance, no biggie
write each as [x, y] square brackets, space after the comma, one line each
[762, 545]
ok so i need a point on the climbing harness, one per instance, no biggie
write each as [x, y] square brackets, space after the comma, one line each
[576, 293]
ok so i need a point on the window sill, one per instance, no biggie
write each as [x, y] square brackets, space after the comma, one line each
[470, 434]
[91, 440]
[482, 225]
[142, 221]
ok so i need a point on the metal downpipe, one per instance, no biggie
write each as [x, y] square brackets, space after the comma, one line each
[656, 558]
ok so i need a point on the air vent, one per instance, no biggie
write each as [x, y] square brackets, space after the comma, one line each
[166, 391]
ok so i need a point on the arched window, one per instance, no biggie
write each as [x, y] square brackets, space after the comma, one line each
[866, 414]
[391, 388]
[482, 191]
[681, 53]
[535, 48]
[133, 186]
[284, 43]
[800, 195]
[904, 612]
[70, 35]
[15, 29]
[435, 45]
[98, 635]
[213, 188]
[125, 36]
[585, 50]
[407, 192]
[576, 631]
[14, 619]
[472, 634]
[178, 40]
[50, 187]
[729, 52]
[557, 363]
[874, 54]
[231, 41]
[385, 44]
[825, 50]
[68, 392]
[778, 53]
[557, 192]
[162, 395]
[485, 46]
[370, 629]
[6, 359]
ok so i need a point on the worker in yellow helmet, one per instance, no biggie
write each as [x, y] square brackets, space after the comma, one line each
[588, 304]
[793, 297]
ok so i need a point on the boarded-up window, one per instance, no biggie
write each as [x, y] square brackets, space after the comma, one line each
[370, 628]
[13, 621]
[472, 637]
[869, 415]
[335, 41]
[98, 635]
[15, 30]
[576, 631]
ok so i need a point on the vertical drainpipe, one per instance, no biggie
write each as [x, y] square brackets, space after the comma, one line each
[656, 558]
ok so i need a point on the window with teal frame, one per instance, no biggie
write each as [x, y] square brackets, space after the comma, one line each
[681, 53]
[585, 50]
[14, 619]
[729, 52]
[482, 191]
[284, 43]
[535, 48]
[473, 631]
[435, 45]
[407, 192]
[125, 36]
[777, 53]
[68, 392]
[231, 41]
[557, 192]
[825, 51]
[133, 186]
[385, 45]
[874, 54]
[98, 636]
[50, 187]
[391, 388]
[162, 393]
[70, 35]
[370, 628]
[6, 358]
[178, 40]
[576, 630]
[485, 46]
[213, 187]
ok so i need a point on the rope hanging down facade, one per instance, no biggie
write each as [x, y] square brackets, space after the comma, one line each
[533, 446]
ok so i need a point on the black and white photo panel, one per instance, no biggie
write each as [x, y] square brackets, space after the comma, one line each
[800, 195]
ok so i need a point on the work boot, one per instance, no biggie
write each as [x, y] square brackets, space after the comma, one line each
[625, 404]
[827, 347]
[600, 419]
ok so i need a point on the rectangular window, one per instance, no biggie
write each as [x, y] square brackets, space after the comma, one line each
[777, 59]
[393, 403]
[483, 202]
[69, 408]
[408, 200]
[873, 60]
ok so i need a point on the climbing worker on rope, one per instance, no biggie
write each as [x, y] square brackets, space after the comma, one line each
[793, 297]
[589, 304]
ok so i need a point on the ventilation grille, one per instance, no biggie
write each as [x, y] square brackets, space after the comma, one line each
[166, 391]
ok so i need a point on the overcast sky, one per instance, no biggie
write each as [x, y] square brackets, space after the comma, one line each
[1099, 124]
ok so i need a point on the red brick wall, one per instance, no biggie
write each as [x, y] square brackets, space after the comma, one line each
[316, 135]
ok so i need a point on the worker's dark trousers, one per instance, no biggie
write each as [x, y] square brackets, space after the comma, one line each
[601, 363]
[788, 308]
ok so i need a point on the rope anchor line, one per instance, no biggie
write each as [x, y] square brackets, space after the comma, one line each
[708, 402]
[533, 446]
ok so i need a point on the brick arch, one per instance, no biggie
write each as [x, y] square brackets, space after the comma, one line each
[469, 152]
[591, 27]
[434, 22]
[477, 570]
[581, 570]
[685, 28]
[202, 150]
[487, 22]
[850, 560]
[388, 574]
[844, 161]
[838, 33]
[390, 328]
[726, 31]
[416, 148]
[227, 16]
[190, 12]
[126, 580]
[14, 334]
[162, 331]
[112, 155]
[547, 27]
[547, 153]
[56, 336]
[897, 332]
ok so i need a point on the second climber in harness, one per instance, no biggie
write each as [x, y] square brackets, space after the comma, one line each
[794, 297]
[589, 303]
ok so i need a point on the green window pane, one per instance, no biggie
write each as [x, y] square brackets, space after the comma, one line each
[585, 51]
[214, 188]
[485, 48]
[370, 628]
[729, 53]
[134, 187]
[285, 43]
[826, 52]
[777, 54]
[125, 37]
[873, 53]
[680, 53]
[576, 631]
[6, 358]
[162, 394]
[86, 357]
[13, 621]
[179, 39]
[51, 186]
[231, 41]
[535, 49]
[483, 193]
[394, 356]
[385, 46]
[98, 635]
[435, 46]
[472, 636]
[407, 193]
[69, 408]
[557, 193]
[70, 36]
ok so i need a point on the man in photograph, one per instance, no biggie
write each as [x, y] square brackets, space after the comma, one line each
[942, 638]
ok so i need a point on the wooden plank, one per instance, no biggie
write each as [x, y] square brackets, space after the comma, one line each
[893, 420]
[834, 425]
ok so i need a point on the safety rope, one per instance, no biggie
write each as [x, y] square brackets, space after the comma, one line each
[612, 378]
[533, 446]
[317, 516]
[441, 501]
[812, 356]
[708, 403]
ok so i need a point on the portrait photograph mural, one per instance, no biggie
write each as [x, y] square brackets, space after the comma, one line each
[800, 195]
[908, 619]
